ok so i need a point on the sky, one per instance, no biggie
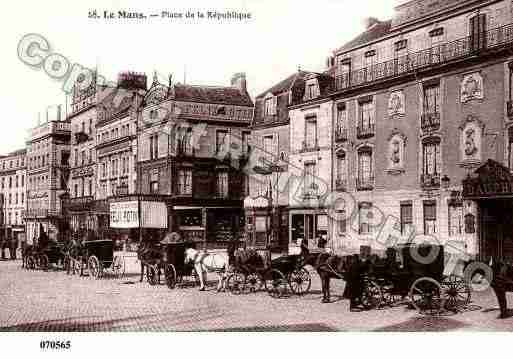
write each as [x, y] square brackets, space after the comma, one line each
[280, 36]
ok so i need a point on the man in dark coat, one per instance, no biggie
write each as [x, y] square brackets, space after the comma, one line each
[354, 283]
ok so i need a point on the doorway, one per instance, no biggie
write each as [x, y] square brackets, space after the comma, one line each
[496, 229]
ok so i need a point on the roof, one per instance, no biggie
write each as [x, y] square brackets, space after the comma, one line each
[212, 94]
[374, 32]
[19, 152]
[286, 84]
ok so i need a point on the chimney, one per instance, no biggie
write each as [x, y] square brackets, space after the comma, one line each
[239, 81]
[369, 22]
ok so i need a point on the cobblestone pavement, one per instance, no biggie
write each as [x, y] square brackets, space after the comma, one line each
[54, 301]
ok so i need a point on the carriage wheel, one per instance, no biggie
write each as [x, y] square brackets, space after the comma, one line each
[372, 296]
[151, 274]
[300, 281]
[425, 296]
[42, 262]
[170, 275]
[254, 282]
[276, 284]
[456, 292]
[118, 266]
[235, 283]
[31, 262]
[94, 267]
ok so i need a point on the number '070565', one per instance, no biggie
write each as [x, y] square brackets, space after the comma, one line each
[55, 344]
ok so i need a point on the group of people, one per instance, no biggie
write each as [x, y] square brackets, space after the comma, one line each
[8, 248]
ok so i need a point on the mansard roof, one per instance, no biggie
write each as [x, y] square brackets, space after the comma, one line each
[226, 95]
[374, 32]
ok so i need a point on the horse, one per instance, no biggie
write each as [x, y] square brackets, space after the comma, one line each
[208, 262]
[146, 253]
[502, 283]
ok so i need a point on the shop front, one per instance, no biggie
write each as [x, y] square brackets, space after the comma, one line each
[491, 187]
[310, 225]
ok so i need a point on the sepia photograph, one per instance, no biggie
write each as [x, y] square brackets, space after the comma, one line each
[249, 166]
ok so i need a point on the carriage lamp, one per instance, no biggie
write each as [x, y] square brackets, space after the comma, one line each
[446, 181]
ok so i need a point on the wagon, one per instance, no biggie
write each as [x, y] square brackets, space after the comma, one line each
[421, 279]
[170, 258]
[42, 258]
[276, 276]
[97, 256]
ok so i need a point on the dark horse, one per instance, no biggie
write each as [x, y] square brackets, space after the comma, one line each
[502, 283]
[330, 266]
[148, 254]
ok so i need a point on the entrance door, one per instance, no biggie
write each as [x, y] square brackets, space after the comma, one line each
[497, 229]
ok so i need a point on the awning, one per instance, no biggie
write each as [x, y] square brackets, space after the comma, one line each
[491, 180]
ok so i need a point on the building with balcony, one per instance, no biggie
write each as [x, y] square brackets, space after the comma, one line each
[13, 174]
[310, 160]
[267, 199]
[420, 102]
[47, 173]
[192, 149]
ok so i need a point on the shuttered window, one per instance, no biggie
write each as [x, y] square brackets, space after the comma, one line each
[406, 217]
[430, 217]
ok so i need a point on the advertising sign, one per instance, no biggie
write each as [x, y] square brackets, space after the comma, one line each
[124, 214]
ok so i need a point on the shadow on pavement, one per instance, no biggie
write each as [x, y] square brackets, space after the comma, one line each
[424, 324]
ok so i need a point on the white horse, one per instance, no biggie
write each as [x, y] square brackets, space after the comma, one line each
[208, 262]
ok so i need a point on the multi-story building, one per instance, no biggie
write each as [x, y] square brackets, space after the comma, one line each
[13, 172]
[266, 207]
[47, 161]
[419, 103]
[310, 161]
[191, 151]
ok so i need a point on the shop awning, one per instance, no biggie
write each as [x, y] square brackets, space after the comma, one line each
[491, 180]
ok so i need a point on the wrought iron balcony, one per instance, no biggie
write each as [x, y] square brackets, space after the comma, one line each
[184, 150]
[429, 181]
[341, 185]
[308, 147]
[365, 131]
[491, 40]
[341, 134]
[509, 106]
[365, 184]
[430, 122]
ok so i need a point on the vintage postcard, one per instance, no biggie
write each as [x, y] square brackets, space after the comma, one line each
[256, 166]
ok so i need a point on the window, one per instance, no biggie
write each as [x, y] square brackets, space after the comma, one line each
[311, 133]
[186, 145]
[3, 182]
[76, 157]
[477, 29]
[369, 62]
[104, 169]
[222, 184]
[341, 125]
[344, 78]
[154, 146]
[90, 187]
[22, 180]
[341, 170]
[406, 217]
[365, 171]
[22, 197]
[16, 181]
[10, 182]
[268, 142]
[366, 116]
[309, 180]
[401, 56]
[312, 90]
[185, 181]
[510, 82]
[432, 99]
[270, 106]
[83, 127]
[431, 157]
[437, 40]
[342, 221]
[364, 215]
[429, 217]
[455, 218]
[154, 181]
[510, 149]
[10, 198]
[221, 139]
[16, 199]
[245, 143]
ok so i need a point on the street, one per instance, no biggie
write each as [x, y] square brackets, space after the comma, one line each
[55, 301]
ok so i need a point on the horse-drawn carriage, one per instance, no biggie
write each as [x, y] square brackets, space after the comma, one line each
[167, 256]
[41, 257]
[95, 256]
[421, 278]
[251, 272]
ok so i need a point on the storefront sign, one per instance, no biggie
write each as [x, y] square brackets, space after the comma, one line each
[126, 214]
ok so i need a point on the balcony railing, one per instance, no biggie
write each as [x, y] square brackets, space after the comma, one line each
[307, 147]
[341, 134]
[428, 181]
[509, 106]
[466, 47]
[430, 122]
[341, 184]
[365, 184]
[365, 131]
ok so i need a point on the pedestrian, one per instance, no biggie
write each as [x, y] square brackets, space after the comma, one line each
[3, 244]
[354, 281]
[12, 248]
[321, 242]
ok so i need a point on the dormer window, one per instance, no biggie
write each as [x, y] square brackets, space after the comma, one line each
[312, 90]
[270, 103]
